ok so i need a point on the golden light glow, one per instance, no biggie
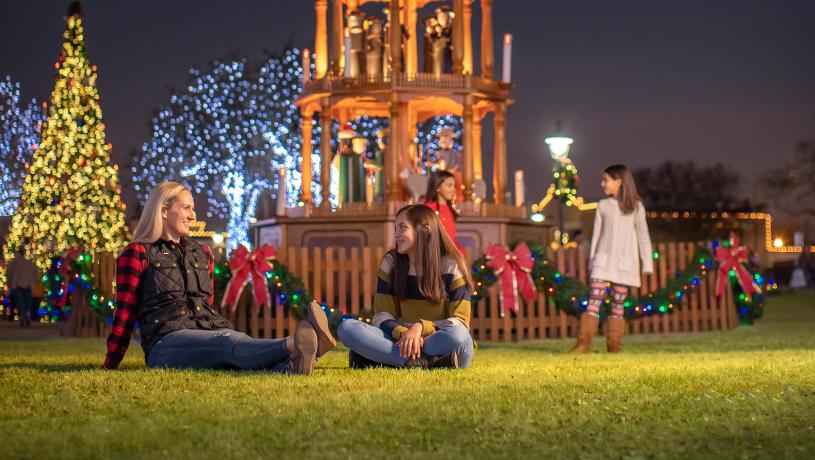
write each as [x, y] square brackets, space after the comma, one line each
[770, 245]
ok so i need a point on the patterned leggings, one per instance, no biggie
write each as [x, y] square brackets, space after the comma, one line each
[597, 292]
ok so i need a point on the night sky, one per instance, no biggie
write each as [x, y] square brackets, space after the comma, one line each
[637, 82]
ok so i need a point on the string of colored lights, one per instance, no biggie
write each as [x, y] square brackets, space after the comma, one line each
[571, 295]
[287, 289]
[68, 276]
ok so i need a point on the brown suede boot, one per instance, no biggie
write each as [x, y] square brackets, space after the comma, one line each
[585, 335]
[616, 331]
[302, 357]
[316, 316]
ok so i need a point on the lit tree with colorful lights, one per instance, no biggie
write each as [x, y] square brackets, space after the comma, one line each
[70, 196]
[20, 127]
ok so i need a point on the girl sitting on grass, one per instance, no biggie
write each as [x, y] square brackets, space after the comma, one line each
[164, 282]
[422, 301]
[618, 243]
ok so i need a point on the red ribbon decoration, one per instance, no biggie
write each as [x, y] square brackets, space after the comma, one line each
[513, 268]
[245, 264]
[734, 258]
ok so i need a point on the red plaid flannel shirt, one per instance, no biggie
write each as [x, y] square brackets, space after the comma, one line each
[129, 267]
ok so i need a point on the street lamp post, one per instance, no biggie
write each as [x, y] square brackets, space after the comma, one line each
[559, 150]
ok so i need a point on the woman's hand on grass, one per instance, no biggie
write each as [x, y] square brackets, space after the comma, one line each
[411, 342]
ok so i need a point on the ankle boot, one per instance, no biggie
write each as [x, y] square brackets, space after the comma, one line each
[616, 331]
[316, 316]
[357, 361]
[585, 335]
[302, 357]
[446, 361]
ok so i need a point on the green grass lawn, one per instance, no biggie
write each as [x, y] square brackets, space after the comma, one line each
[739, 394]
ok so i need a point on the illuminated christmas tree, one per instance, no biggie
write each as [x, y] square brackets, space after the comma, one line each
[20, 126]
[70, 197]
[227, 135]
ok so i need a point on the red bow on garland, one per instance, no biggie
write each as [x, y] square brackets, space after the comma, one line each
[243, 264]
[734, 258]
[513, 268]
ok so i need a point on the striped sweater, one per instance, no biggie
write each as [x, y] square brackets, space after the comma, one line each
[394, 316]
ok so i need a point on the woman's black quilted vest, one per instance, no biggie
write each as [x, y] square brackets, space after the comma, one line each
[174, 291]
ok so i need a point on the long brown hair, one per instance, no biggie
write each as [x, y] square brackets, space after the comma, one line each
[432, 244]
[627, 196]
[433, 184]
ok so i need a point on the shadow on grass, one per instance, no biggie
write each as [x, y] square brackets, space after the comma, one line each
[51, 367]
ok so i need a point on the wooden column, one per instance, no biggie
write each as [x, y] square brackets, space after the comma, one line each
[487, 55]
[404, 132]
[392, 153]
[458, 36]
[337, 37]
[321, 38]
[395, 39]
[412, 53]
[325, 152]
[499, 174]
[306, 128]
[478, 168]
[468, 36]
[467, 145]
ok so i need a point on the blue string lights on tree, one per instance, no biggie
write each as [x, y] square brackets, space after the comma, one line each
[226, 135]
[428, 134]
[20, 128]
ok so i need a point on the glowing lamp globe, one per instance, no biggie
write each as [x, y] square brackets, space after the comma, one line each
[559, 146]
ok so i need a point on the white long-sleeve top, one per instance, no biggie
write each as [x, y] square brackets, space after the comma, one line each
[619, 243]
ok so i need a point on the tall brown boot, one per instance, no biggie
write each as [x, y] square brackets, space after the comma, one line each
[616, 331]
[588, 327]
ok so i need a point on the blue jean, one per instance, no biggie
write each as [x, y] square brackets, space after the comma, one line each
[218, 349]
[372, 343]
[22, 301]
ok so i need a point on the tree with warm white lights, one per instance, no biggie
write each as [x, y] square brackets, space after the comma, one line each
[71, 196]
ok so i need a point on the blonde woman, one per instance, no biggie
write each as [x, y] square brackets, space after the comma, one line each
[164, 282]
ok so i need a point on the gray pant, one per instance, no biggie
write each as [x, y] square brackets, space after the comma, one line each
[372, 343]
[219, 349]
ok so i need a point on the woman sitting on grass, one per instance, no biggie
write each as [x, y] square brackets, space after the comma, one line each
[164, 281]
[422, 301]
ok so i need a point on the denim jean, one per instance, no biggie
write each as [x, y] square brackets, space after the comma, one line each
[218, 349]
[372, 343]
[22, 301]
